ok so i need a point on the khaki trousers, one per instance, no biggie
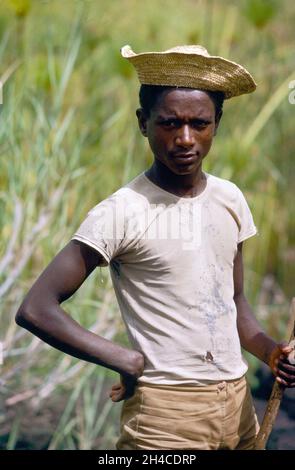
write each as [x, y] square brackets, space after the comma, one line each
[168, 417]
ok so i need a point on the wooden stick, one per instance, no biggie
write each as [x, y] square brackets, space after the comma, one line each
[274, 400]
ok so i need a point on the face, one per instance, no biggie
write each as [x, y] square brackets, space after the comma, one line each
[180, 129]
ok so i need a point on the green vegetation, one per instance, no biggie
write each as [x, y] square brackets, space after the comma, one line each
[69, 138]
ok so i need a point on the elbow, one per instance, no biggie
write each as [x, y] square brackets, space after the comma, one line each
[25, 315]
[35, 314]
[20, 318]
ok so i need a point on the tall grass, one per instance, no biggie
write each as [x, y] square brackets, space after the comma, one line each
[68, 138]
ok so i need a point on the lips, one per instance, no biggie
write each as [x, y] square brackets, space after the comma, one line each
[184, 158]
[183, 155]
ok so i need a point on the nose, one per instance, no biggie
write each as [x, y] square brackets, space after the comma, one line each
[185, 137]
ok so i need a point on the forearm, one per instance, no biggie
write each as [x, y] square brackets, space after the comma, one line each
[54, 326]
[253, 338]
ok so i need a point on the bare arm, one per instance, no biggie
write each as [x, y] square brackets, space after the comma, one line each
[42, 314]
[253, 338]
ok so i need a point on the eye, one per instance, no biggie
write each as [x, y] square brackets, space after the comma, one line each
[199, 124]
[170, 123]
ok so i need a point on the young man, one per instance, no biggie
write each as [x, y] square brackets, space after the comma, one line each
[173, 239]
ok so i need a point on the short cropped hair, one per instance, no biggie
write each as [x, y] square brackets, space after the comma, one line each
[150, 94]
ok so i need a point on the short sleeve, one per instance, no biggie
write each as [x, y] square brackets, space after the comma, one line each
[247, 226]
[103, 228]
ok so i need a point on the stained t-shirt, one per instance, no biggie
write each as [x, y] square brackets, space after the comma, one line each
[171, 262]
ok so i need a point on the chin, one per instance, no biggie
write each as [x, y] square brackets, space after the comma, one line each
[188, 170]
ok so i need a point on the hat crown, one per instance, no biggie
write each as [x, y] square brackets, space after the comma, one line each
[127, 52]
[190, 49]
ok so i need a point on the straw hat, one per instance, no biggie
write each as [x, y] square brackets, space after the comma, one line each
[192, 67]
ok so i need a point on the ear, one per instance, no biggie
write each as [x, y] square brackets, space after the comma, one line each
[142, 121]
[217, 121]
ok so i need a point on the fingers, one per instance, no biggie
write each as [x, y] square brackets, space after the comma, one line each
[286, 350]
[117, 394]
[117, 397]
[282, 350]
[284, 383]
[285, 372]
[116, 386]
[120, 395]
[123, 390]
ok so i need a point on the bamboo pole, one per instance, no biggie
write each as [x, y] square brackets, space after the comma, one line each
[275, 397]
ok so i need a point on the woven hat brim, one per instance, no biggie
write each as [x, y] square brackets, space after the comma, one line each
[211, 73]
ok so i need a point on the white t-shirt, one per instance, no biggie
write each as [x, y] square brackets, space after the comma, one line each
[171, 262]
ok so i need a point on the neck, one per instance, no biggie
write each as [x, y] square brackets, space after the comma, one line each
[181, 185]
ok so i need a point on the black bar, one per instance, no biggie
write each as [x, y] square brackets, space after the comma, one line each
[141, 459]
